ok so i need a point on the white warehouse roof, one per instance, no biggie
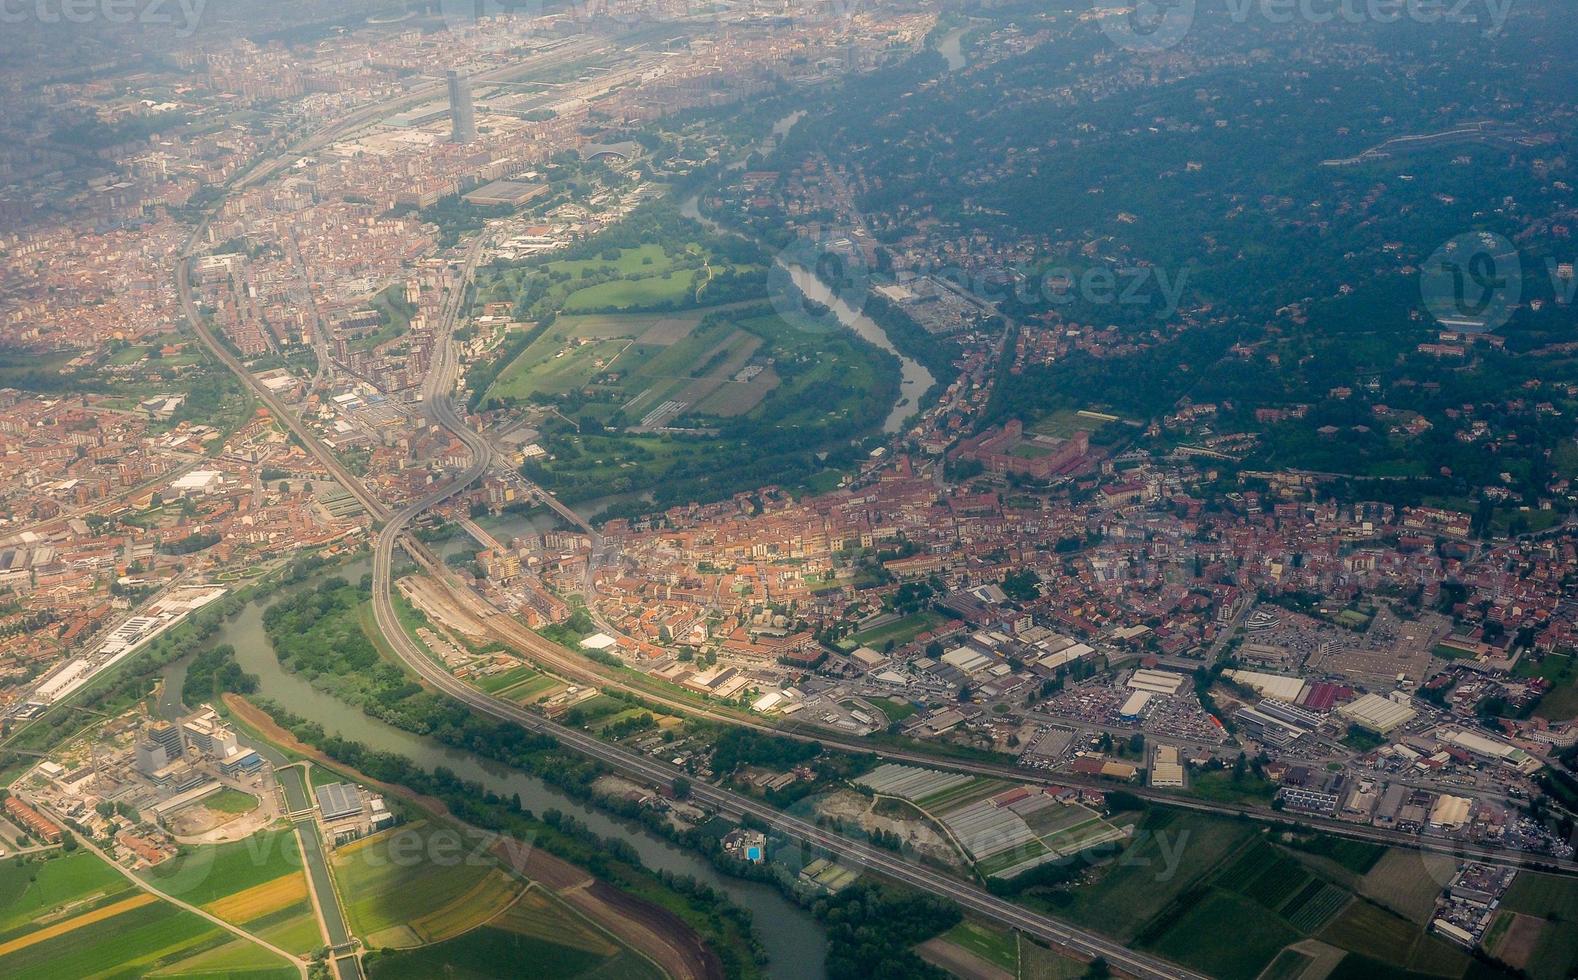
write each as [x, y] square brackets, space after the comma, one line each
[1377, 713]
[1268, 685]
[1156, 681]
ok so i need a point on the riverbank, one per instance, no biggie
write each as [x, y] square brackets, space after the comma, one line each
[654, 932]
[794, 941]
[915, 379]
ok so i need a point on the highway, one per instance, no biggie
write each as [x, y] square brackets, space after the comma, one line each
[654, 772]
[438, 407]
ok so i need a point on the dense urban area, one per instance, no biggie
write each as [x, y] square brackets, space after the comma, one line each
[826, 490]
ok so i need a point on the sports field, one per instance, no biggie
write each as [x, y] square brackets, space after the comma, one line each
[899, 632]
[495, 683]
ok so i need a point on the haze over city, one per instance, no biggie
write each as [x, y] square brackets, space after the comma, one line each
[811, 489]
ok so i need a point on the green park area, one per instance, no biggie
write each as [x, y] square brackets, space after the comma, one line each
[698, 426]
[618, 361]
[687, 268]
[668, 373]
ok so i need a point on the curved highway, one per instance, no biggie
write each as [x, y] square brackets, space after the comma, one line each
[438, 408]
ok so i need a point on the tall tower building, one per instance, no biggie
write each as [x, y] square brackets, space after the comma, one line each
[462, 117]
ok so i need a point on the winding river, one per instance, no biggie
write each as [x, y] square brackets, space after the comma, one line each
[950, 48]
[794, 940]
[914, 379]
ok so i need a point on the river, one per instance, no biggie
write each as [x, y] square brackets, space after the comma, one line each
[949, 47]
[914, 379]
[795, 942]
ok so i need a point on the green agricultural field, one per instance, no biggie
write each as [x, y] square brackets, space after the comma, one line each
[207, 873]
[1136, 890]
[238, 958]
[1002, 861]
[1555, 955]
[1196, 938]
[536, 930]
[1252, 862]
[76, 881]
[531, 689]
[1355, 856]
[978, 788]
[1373, 932]
[279, 910]
[1400, 882]
[1037, 962]
[136, 936]
[420, 883]
[1290, 964]
[1555, 899]
[1367, 928]
[1544, 896]
[990, 943]
[1231, 878]
[1313, 905]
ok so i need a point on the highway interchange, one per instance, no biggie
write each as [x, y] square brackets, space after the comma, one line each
[438, 407]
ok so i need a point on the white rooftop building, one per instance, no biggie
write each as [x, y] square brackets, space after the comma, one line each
[1379, 714]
